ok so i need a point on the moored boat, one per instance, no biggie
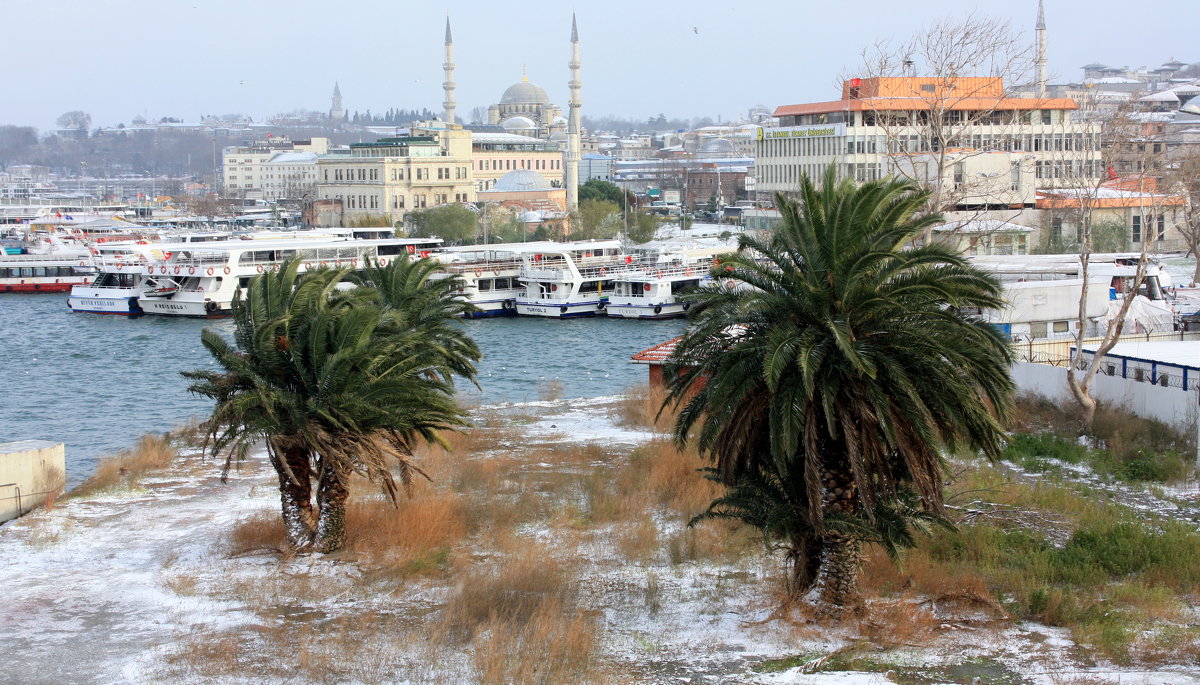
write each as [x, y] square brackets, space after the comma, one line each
[570, 280]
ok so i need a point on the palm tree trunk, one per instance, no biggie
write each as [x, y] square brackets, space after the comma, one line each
[331, 502]
[295, 494]
[804, 564]
[842, 558]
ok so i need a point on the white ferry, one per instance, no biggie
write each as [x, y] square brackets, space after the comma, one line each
[660, 272]
[201, 280]
[490, 274]
[570, 280]
[45, 264]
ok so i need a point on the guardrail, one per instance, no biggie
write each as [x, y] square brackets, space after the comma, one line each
[1057, 352]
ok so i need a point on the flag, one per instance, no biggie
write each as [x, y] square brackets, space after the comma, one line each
[1112, 173]
[58, 215]
[70, 218]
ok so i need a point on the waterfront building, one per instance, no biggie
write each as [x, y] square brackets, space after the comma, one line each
[244, 167]
[1133, 205]
[496, 154]
[880, 124]
[386, 179]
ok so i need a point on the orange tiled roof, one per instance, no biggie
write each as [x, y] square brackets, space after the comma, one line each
[916, 104]
[657, 354]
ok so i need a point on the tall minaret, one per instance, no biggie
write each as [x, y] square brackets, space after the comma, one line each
[448, 84]
[335, 107]
[1039, 62]
[571, 175]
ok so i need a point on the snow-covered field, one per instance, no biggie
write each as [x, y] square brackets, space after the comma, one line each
[138, 586]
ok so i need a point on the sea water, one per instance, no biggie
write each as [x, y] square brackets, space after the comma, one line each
[99, 382]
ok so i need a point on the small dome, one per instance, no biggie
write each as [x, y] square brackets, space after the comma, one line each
[558, 136]
[559, 121]
[1192, 106]
[518, 124]
[524, 93]
[715, 146]
[519, 180]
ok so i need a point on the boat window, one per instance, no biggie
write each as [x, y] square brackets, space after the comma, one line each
[244, 281]
[26, 271]
[1151, 289]
[485, 285]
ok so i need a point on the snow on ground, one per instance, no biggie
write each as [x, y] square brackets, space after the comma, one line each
[103, 589]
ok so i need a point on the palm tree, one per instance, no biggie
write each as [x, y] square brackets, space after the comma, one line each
[846, 358]
[419, 301]
[333, 384]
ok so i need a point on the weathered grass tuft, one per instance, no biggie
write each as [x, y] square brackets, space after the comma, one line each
[642, 407]
[416, 536]
[152, 452]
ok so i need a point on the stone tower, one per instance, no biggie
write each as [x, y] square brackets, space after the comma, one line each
[1039, 62]
[448, 84]
[571, 170]
[335, 108]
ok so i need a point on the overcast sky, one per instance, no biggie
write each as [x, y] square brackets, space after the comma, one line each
[185, 58]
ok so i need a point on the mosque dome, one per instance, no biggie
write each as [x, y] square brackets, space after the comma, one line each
[518, 124]
[524, 93]
[716, 146]
[1192, 106]
[519, 180]
[558, 121]
[558, 136]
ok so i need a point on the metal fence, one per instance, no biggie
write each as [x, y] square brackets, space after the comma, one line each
[1058, 352]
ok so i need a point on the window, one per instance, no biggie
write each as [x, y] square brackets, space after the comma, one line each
[1161, 226]
[959, 175]
[1136, 230]
[1061, 327]
[1046, 115]
[1037, 330]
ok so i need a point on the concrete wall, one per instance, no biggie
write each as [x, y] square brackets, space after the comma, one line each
[1170, 405]
[30, 472]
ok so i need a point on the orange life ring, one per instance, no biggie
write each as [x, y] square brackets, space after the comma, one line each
[210, 271]
[688, 272]
[337, 263]
[478, 272]
[554, 288]
[260, 268]
[646, 287]
[191, 271]
[602, 271]
[382, 261]
[178, 269]
[82, 263]
[227, 270]
[162, 270]
[324, 264]
[120, 265]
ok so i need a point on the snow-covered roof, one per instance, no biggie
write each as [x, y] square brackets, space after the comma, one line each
[293, 157]
[1178, 353]
[1161, 96]
[490, 137]
[982, 226]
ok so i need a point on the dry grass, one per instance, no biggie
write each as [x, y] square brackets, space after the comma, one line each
[414, 536]
[152, 452]
[553, 646]
[257, 533]
[642, 407]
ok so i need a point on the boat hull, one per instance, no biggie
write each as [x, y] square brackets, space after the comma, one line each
[36, 285]
[645, 311]
[560, 310]
[120, 306]
[492, 308]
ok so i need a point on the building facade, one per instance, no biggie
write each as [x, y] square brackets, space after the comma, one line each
[880, 124]
[495, 154]
[244, 168]
[386, 179]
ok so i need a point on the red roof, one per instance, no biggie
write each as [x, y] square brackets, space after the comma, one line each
[657, 354]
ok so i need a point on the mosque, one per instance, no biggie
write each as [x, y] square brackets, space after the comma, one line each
[526, 110]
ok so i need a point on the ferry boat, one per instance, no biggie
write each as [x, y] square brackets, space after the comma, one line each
[489, 274]
[46, 264]
[201, 280]
[570, 280]
[660, 272]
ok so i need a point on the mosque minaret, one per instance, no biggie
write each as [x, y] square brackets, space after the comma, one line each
[1040, 60]
[571, 171]
[448, 84]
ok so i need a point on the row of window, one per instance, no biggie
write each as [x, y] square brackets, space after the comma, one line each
[36, 271]
[923, 117]
[510, 164]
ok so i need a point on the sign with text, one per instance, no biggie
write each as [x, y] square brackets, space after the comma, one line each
[814, 131]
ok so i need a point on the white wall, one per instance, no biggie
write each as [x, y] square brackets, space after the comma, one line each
[1170, 405]
[30, 471]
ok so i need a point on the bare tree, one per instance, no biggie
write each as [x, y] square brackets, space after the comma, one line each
[956, 105]
[1125, 139]
[1184, 181]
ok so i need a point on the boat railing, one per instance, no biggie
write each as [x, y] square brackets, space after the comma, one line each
[479, 268]
[671, 270]
[45, 258]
